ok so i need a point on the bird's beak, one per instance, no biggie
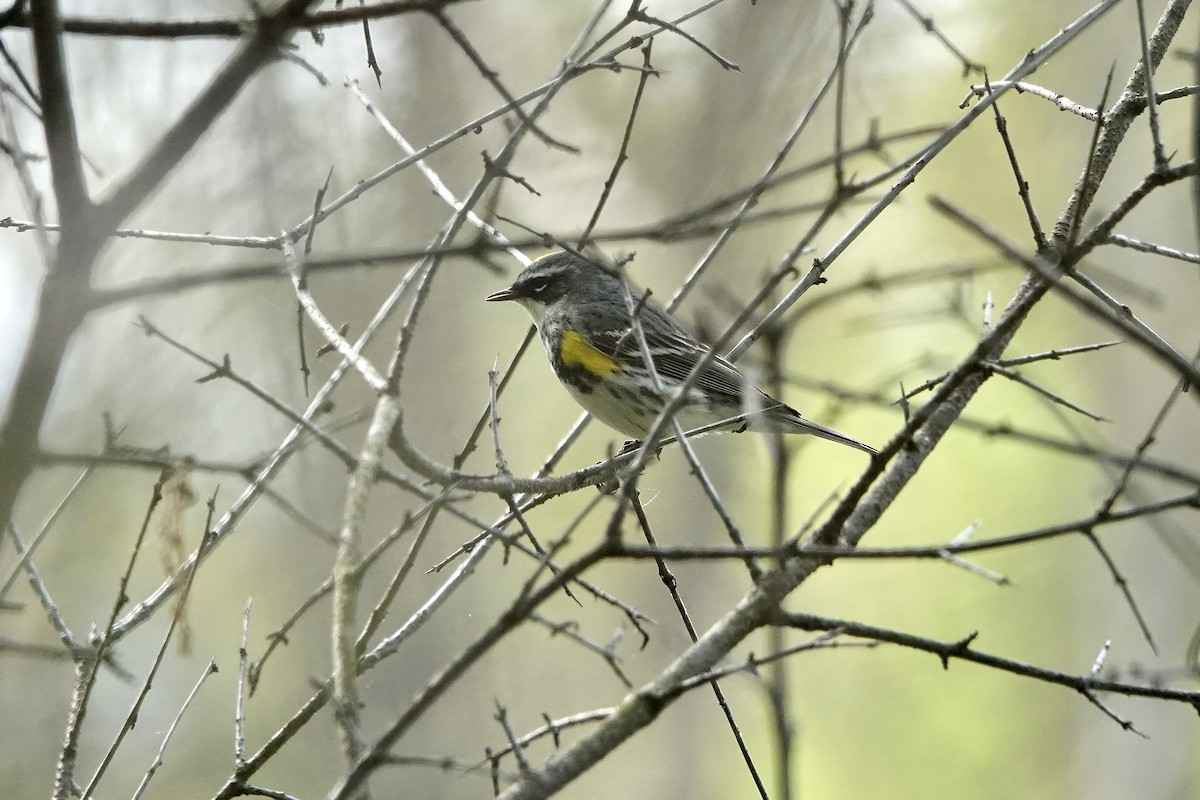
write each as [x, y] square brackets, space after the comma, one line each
[503, 294]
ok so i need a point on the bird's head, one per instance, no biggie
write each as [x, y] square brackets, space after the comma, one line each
[559, 278]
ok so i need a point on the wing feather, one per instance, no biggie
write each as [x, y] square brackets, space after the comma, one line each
[675, 353]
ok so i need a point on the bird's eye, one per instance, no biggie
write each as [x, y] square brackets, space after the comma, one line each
[540, 287]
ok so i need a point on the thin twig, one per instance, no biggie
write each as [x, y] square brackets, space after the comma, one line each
[962, 650]
[968, 64]
[669, 581]
[622, 151]
[1150, 247]
[159, 758]
[239, 716]
[1160, 155]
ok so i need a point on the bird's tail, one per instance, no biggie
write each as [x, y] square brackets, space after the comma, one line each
[785, 419]
[816, 429]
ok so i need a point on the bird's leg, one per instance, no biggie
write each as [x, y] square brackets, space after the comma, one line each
[630, 446]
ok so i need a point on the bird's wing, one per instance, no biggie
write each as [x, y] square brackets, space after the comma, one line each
[675, 353]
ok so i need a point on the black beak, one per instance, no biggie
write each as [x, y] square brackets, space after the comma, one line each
[503, 294]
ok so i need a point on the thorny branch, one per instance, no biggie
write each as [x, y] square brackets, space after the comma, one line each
[442, 489]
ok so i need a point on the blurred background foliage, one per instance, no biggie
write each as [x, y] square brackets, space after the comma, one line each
[870, 723]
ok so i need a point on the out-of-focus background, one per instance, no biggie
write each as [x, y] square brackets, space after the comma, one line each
[879, 722]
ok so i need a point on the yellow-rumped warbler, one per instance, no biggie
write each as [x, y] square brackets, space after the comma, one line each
[582, 313]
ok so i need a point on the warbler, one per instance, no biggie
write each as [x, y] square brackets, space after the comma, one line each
[586, 322]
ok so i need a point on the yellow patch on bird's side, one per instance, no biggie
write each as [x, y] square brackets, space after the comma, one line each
[577, 352]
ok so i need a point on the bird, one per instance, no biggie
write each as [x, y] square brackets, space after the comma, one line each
[593, 335]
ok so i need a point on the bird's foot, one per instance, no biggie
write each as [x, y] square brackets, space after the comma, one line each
[630, 446]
